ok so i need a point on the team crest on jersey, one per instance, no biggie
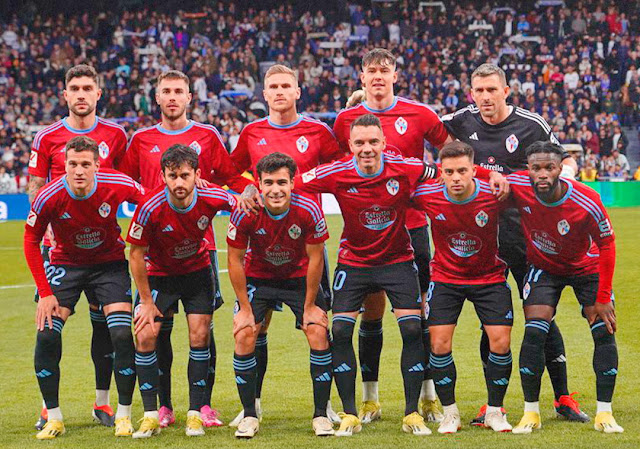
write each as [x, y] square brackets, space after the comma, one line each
[482, 218]
[526, 290]
[512, 143]
[195, 146]
[103, 149]
[104, 210]
[563, 227]
[203, 222]
[302, 144]
[393, 186]
[401, 125]
[295, 231]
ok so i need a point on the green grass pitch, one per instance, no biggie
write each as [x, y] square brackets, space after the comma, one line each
[287, 398]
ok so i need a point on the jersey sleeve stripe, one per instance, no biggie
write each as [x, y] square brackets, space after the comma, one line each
[471, 108]
[307, 208]
[417, 103]
[333, 168]
[144, 208]
[237, 216]
[589, 201]
[319, 122]
[117, 176]
[309, 205]
[589, 205]
[210, 128]
[536, 118]
[333, 165]
[112, 124]
[136, 133]
[38, 139]
[577, 201]
[46, 196]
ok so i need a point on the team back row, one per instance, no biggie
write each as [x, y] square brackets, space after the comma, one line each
[275, 250]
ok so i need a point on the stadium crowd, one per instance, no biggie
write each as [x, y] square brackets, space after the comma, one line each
[576, 63]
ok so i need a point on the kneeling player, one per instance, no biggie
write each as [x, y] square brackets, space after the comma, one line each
[88, 257]
[284, 262]
[464, 223]
[169, 228]
[570, 242]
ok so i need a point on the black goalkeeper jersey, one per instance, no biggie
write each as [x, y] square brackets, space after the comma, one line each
[499, 147]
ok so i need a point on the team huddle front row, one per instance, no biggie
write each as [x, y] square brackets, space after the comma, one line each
[276, 255]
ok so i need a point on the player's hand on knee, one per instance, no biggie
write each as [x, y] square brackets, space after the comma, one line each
[48, 307]
[607, 313]
[146, 313]
[499, 185]
[250, 200]
[314, 315]
[243, 319]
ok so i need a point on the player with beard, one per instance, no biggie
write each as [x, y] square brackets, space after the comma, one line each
[499, 134]
[570, 242]
[142, 163]
[47, 162]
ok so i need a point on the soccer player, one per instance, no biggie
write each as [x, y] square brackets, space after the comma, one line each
[47, 162]
[142, 163]
[570, 242]
[170, 262]
[372, 189]
[89, 256]
[499, 134]
[406, 124]
[464, 223]
[309, 142]
[278, 255]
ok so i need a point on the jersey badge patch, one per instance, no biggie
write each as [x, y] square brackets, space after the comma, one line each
[309, 176]
[401, 125]
[482, 218]
[302, 144]
[104, 210]
[512, 143]
[203, 222]
[195, 146]
[232, 231]
[31, 219]
[103, 149]
[563, 227]
[33, 159]
[136, 231]
[393, 186]
[295, 231]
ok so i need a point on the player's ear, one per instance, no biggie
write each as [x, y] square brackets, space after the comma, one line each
[298, 92]
[507, 91]
[64, 94]
[362, 78]
[99, 92]
[395, 76]
[198, 173]
[189, 97]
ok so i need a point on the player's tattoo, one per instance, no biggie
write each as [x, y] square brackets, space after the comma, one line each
[35, 184]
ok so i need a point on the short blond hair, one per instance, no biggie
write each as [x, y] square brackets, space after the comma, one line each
[490, 69]
[378, 56]
[174, 75]
[279, 68]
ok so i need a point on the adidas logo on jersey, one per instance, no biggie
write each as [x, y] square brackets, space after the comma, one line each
[262, 141]
[342, 368]
[324, 377]
[509, 315]
[65, 216]
[155, 149]
[416, 368]
[352, 190]
[169, 228]
[473, 136]
[441, 217]
[261, 231]
[527, 209]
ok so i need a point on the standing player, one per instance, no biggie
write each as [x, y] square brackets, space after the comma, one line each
[570, 242]
[464, 224]
[375, 254]
[500, 133]
[47, 162]
[170, 262]
[89, 256]
[284, 249]
[406, 124]
[142, 163]
[309, 142]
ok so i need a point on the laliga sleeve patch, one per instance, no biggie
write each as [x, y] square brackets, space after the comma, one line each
[232, 231]
[309, 176]
[32, 218]
[33, 159]
[136, 231]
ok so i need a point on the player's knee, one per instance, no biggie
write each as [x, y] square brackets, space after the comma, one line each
[500, 344]
[440, 344]
[48, 340]
[145, 340]
[199, 336]
[317, 336]
[342, 329]
[601, 335]
[410, 328]
[245, 341]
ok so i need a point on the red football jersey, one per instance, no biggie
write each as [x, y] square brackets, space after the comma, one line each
[276, 244]
[86, 229]
[563, 237]
[465, 235]
[47, 153]
[175, 237]
[142, 160]
[406, 124]
[309, 142]
[373, 207]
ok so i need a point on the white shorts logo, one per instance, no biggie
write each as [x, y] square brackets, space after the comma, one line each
[31, 219]
[136, 231]
[203, 222]
[232, 231]
[103, 149]
[309, 176]
[104, 210]
[295, 231]
[526, 290]
[512, 143]
[393, 186]
[401, 125]
[33, 159]
[563, 227]
[482, 219]
[302, 144]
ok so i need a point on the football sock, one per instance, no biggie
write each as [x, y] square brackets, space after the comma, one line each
[211, 372]
[245, 371]
[54, 414]
[124, 367]
[102, 397]
[344, 361]
[443, 370]
[197, 373]
[321, 376]
[101, 350]
[556, 361]
[532, 357]
[484, 351]
[165, 360]
[369, 349]
[426, 343]
[412, 360]
[498, 373]
[605, 361]
[147, 371]
[47, 361]
[262, 357]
